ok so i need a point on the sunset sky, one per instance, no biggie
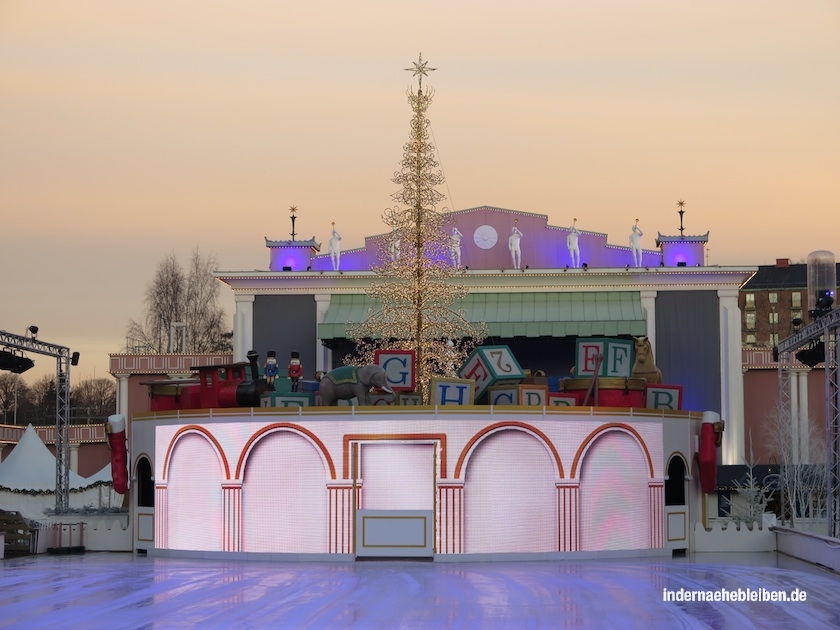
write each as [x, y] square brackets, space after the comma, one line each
[132, 130]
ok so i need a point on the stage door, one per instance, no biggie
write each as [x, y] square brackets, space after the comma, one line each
[395, 482]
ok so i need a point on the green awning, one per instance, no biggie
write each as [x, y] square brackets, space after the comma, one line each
[608, 313]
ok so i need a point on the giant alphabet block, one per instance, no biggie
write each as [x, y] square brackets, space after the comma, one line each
[503, 395]
[400, 368]
[452, 391]
[533, 395]
[663, 397]
[491, 365]
[617, 353]
[281, 399]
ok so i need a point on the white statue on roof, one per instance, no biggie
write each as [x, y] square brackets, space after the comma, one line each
[636, 244]
[572, 244]
[335, 248]
[513, 246]
[455, 246]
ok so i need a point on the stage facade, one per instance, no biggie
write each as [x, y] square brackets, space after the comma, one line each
[355, 482]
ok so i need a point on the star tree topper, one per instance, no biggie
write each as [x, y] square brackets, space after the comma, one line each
[420, 69]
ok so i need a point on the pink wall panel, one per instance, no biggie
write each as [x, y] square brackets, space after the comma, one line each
[284, 496]
[614, 502]
[194, 494]
[510, 495]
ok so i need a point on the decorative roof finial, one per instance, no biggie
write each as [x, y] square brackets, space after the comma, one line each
[681, 205]
[292, 211]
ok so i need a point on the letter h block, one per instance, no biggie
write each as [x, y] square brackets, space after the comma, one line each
[489, 366]
[451, 391]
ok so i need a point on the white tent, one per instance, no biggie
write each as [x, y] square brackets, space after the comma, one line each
[27, 481]
[31, 466]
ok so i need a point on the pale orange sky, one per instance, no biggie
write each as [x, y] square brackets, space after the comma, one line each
[131, 130]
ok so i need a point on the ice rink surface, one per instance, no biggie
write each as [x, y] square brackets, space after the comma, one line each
[120, 590]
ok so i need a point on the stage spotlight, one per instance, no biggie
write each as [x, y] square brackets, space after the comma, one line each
[813, 355]
[33, 330]
[585, 267]
[15, 363]
[74, 358]
[822, 305]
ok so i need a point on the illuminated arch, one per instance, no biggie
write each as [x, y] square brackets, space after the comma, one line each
[194, 428]
[293, 428]
[605, 428]
[505, 426]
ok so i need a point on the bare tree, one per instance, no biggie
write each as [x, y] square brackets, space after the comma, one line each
[801, 452]
[182, 310]
[754, 496]
[94, 398]
[42, 396]
[13, 393]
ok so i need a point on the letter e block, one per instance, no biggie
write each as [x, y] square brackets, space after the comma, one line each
[491, 365]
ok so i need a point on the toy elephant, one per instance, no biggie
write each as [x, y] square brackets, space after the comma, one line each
[351, 381]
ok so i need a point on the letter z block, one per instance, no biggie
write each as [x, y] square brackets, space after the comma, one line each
[491, 365]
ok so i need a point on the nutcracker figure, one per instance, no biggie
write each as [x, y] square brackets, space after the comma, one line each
[295, 370]
[271, 370]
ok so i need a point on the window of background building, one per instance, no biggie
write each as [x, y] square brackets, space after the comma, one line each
[750, 301]
[751, 339]
[774, 317]
[773, 297]
[796, 300]
[795, 314]
[774, 340]
[749, 320]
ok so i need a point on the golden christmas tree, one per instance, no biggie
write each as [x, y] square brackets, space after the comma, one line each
[415, 299]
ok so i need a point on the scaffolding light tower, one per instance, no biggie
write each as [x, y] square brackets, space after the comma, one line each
[827, 328]
[64, 359]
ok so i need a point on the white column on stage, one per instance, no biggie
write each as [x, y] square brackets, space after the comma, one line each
[74, 457]
[731, 377]
[804, 418]
[450, 517]
[232, 493]
[243, 326]
[323, 355]
[656, 492]
[122, 394]
[648, 299]
[161, 517]
[340, 517]
[568, 515]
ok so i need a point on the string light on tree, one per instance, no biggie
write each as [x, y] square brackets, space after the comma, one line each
[415, 299]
